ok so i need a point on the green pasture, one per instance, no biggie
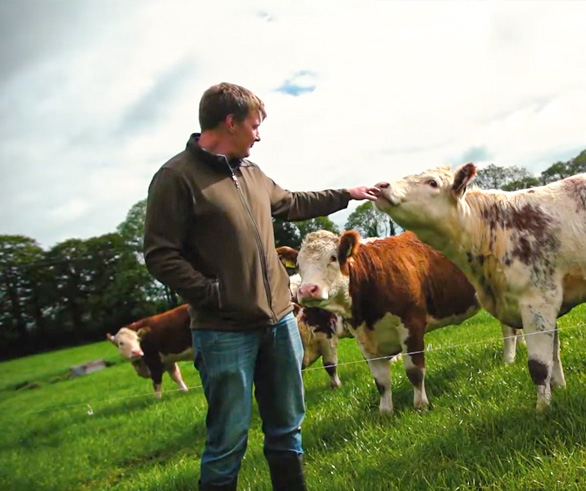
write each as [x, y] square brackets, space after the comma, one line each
[106, 431]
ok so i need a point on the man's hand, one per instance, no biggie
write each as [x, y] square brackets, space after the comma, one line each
[365, 192]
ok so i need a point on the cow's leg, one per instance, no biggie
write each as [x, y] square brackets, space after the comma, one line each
[330, 358]
[156, 368]
[381, 371]
[379, 367]
[510, 343]
[175, 374]
[157, 383]
[557, 376]
[414, 361]
[539, 322]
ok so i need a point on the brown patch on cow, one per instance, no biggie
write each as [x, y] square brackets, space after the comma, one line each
[527, 218]
[320, 320]
[415, 376]
[538, 371]
[532, 237]
[380, 387]
[576, 188]
[330, 369]
[403, 276]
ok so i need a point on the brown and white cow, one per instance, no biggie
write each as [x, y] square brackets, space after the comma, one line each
[154, 345]
[524, 251]
[392, 291]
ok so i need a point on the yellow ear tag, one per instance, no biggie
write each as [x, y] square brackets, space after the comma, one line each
[290, 264]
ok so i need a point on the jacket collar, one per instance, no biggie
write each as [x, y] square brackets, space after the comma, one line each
[211, 158]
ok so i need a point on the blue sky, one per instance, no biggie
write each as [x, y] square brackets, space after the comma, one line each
[96, 95]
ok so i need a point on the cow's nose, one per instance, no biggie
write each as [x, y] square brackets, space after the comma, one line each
[308, 291]
[137, 352]
[382, 185]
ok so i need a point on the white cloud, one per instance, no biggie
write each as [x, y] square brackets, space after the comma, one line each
[396, 86]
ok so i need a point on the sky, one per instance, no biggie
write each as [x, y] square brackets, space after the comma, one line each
[95, 95]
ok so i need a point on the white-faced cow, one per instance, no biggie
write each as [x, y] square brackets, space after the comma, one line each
[154, 345]
[392, 291]
[524, 251]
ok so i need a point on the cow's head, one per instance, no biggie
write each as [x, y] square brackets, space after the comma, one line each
[128, 343]
[323, 283]
[426, 201]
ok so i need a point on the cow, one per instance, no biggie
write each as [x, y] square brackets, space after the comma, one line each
[392, 291]
[319, 329]
[524, 251]
[154, 345]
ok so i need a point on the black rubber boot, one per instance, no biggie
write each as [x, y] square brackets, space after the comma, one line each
[231, 486]
[286, 471]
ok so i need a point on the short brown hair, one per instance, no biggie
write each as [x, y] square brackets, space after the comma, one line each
[223, 99]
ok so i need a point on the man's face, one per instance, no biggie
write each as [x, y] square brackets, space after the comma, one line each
[246, 134]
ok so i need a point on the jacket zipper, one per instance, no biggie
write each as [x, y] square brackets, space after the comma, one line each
[257, 238]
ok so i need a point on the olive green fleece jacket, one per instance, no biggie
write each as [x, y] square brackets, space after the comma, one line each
[209, 237]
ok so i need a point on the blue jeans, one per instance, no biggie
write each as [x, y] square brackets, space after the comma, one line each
[229, 363]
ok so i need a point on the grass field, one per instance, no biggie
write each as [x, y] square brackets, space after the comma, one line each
[106, 431]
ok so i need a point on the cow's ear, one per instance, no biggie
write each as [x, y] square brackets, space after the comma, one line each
[111, 338]
[142, 331]
[349, 244]
[462, 177]
[288, 256]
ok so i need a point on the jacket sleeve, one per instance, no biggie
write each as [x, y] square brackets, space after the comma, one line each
[297, 205]
[169, 206]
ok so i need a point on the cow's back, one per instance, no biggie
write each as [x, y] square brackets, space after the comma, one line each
[167, 333]
[405, 277]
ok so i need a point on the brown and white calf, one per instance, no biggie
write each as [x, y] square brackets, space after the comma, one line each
[154, 345]
[392, 291]
[319, 329]
[524, 251]
[320, 333]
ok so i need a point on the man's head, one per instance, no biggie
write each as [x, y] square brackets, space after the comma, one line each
[234, 114]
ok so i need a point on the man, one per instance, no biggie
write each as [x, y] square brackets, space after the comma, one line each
[209, 237]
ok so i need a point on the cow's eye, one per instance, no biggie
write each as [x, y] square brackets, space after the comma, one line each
[333, 259]
[432, 183]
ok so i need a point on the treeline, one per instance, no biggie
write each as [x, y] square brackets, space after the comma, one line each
[78, 290]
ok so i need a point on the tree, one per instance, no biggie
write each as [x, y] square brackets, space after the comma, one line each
[495, 177]
[286, 233]
[561, 170]
[132, 232]
[121, 288]
[314, 224]
[132, 228]
[20, 309]
[578, 163]
[370, 222]
[555, 172]
[528, 182]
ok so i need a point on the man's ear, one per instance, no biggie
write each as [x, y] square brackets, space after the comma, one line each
[230, 123]
[288, 256]
[462, 177]
[349, 244]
